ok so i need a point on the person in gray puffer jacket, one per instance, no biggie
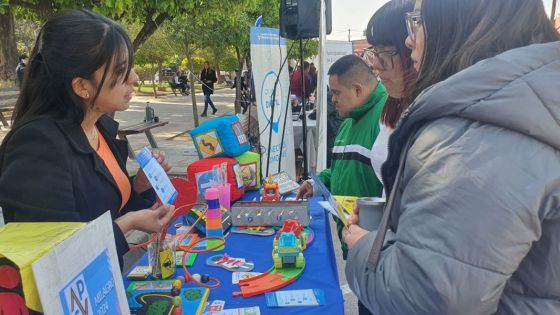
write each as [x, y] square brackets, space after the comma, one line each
[473, 172]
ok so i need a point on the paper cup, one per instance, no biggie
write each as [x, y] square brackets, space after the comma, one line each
[371, 211]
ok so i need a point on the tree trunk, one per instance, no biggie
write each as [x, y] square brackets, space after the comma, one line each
[192, 79]
[153, 80]
[218, 72]
[241, 61]
[149, 28]
[8, 50]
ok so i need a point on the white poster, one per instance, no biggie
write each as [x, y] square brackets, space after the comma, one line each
[328, 54]
[81, 275]
[268, 51]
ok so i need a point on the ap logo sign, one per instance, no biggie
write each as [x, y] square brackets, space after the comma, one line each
[76, 300]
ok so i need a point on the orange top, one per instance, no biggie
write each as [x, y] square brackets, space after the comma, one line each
[118, 175]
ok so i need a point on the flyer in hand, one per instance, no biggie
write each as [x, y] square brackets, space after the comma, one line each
[157, 176]
[329, 197]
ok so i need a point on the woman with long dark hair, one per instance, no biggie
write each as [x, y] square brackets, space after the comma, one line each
[473, 172]
[61, 161]
[390, 59]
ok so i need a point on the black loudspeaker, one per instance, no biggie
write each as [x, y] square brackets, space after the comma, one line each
[300, 19]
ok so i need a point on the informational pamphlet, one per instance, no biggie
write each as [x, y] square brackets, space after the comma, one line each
[157, 176]
[255, 310]
[337, 207]
[309, 297]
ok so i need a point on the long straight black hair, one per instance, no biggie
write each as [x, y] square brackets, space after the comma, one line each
[70, 45]
[459, 33]
[387, 28]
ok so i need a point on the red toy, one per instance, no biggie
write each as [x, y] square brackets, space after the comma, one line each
[294, 226]
[270, 191]
[290, 225]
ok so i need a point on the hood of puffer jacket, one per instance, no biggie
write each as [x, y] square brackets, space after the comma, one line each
[517, 90]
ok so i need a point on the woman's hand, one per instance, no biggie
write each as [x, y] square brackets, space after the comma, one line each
[355, 218]
[141, 182]
[147, 220]
[353, 234]
[305, 190]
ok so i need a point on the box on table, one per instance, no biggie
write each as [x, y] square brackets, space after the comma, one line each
[60, 268]
[250, 169]
[256, 213]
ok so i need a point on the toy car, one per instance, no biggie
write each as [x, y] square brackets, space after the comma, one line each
[288, 251]
[294, 226]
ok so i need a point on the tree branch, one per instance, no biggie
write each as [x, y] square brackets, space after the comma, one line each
[149, 28]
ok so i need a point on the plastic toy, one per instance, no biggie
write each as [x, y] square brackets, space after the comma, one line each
[270, 191]
[289, 262]
[288, 251]
[296, 228]
[230, 263]
[213, 219]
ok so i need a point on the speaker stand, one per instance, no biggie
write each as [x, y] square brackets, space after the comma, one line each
[304, 116]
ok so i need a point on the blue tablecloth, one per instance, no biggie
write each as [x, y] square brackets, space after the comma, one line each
[320, 270]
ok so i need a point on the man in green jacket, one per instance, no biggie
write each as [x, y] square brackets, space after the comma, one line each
[359, 98]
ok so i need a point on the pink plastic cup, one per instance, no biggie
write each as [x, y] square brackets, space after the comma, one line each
[225, 195]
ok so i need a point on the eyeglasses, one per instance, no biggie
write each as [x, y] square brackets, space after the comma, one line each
[413, 22]
[384, 57]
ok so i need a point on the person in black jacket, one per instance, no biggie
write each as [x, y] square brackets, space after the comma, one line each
[20, 70]
[61, 160]
[208, 78]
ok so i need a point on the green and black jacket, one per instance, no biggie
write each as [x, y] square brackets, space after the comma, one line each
[351, 172]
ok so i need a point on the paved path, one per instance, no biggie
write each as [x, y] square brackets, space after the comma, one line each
[172, 138]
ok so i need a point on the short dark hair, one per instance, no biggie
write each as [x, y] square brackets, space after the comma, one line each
[97, 41]
[387, 28]
[21, 57]
[351, 68]
[460, 33]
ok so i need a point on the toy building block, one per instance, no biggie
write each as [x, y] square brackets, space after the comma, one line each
[213, 219]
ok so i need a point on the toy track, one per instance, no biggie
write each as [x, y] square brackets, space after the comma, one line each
[271, 280]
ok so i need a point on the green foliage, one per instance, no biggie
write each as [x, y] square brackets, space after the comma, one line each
[198, 63]
[212, 28]
[310, 49]
[144, 72]
[158, 49]
[229, 62]
[26, 32]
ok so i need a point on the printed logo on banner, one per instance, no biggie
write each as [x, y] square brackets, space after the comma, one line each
[208, 144]
[249, 174]
[238, 177]
[239, 134]
[204, 180]
[267, 88]
[95, 279]
[77, 297]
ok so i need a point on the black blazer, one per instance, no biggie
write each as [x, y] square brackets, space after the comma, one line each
[208, 88]
[49, 172]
